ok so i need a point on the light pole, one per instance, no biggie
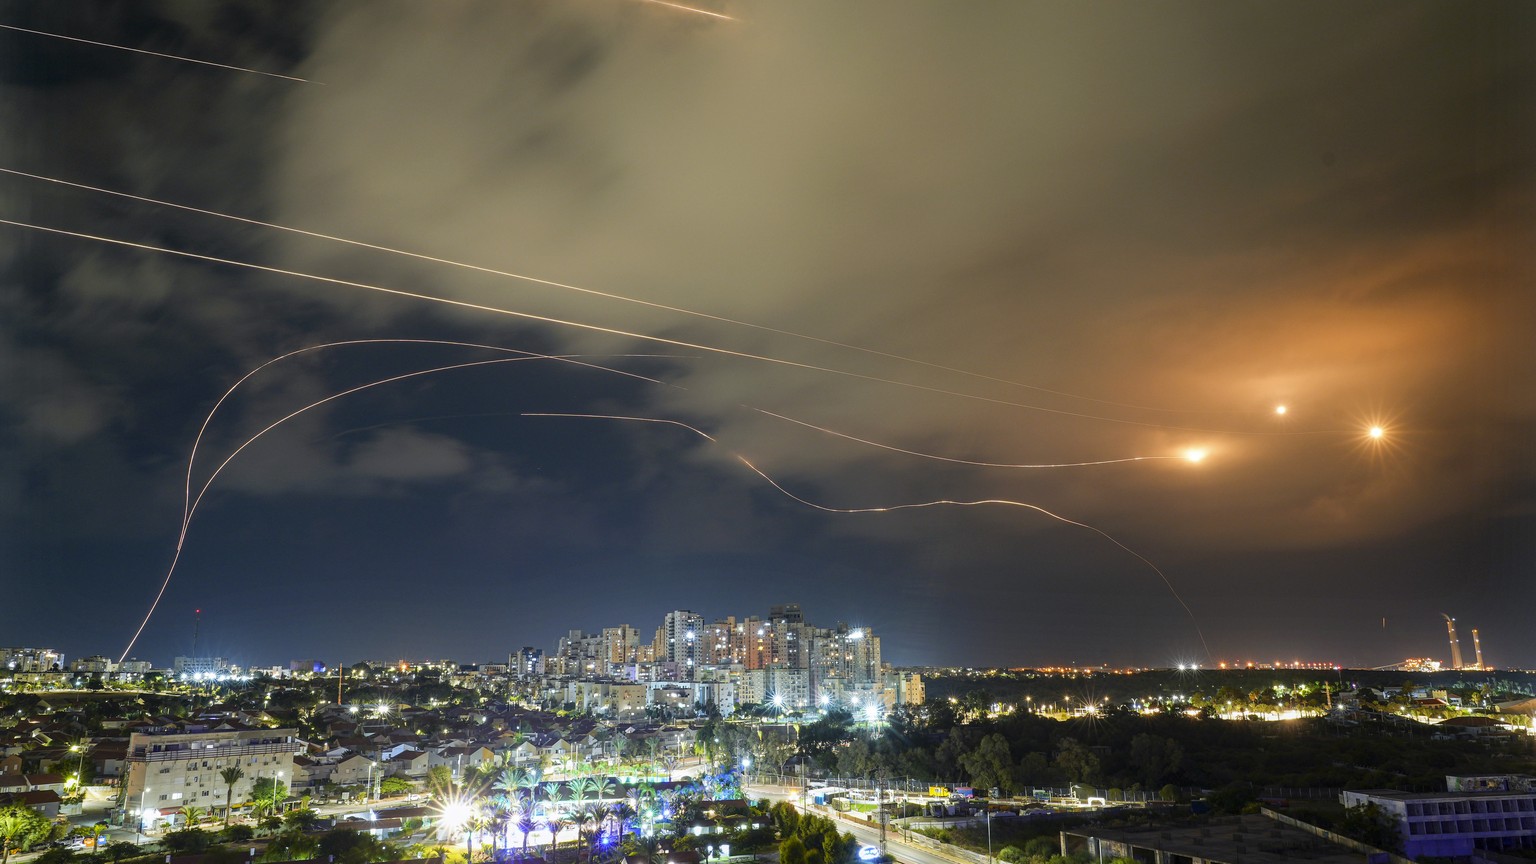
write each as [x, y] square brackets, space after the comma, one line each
[989, 831]
[143, 792]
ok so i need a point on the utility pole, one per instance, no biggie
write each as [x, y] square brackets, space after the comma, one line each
[880, 809]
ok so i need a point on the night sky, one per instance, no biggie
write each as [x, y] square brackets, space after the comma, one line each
[1020, 233]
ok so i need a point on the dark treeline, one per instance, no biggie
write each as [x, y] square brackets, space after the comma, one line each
[1051, 687]
[1119, 749]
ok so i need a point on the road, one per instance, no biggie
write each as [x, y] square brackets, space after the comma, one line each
[900, 850]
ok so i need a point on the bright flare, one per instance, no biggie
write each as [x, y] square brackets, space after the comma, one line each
[1377, 432]
[1194, 454]
[1279, 409]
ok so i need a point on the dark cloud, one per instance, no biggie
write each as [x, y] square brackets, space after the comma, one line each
[1164, 221]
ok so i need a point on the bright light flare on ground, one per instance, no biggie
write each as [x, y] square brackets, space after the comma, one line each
[456, 812]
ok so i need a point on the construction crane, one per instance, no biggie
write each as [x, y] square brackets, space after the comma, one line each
[1450, 625]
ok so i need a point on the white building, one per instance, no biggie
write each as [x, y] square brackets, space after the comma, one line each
[1457, 824]
[682, 641]
[31, 659]
[193, 667]
[167, 771]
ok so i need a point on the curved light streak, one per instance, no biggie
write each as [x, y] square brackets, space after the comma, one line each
[190, 505]
[945, 502]
[951, 459]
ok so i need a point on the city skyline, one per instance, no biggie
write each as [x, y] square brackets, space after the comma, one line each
[1213, 321]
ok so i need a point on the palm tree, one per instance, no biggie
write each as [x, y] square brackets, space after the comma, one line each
[302, 819]
[526, 824]
[528, 782]
[231, 775]
[192, 814]
[622, 813]
[581, 786]
[19, 826]
[583, 818]
[555, 823]
[97, 830]
[551, 791]
[497, 818]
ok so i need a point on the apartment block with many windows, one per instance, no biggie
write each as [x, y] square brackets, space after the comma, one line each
[169, 770]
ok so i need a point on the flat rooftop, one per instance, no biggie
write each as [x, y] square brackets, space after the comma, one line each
[1250, 839]
[1396, 795]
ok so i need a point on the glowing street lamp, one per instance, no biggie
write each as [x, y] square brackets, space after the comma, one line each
[145, 791]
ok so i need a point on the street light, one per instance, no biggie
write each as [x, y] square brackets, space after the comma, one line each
[989, 831]
[141, 834]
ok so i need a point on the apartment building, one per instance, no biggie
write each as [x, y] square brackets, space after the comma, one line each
[167, 770]
[1499, 817]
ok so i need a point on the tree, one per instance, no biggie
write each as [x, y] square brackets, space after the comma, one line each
[1154, 757]
[301, 819]
[231, 776]
[20, 827]
[853, 759]
[525, 825]
[622, 813]
[556, 824]
[267, 793]
[584, 819]
[1370, 824]
[95, 832]
[990, 764]
[792, 851]
[439, 780]
[187, 841]
[237, 833]
[837, 848]
[192, 814]
[1077, 762]
[120, 850]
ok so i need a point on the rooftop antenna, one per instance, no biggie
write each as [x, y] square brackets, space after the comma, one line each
[1450, 625]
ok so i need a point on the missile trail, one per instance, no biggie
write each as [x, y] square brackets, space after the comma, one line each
[613, 331]
[155, 53]
[604, 294]
[692, 9]
[951, 459]
[895, 507]
[190, 505]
